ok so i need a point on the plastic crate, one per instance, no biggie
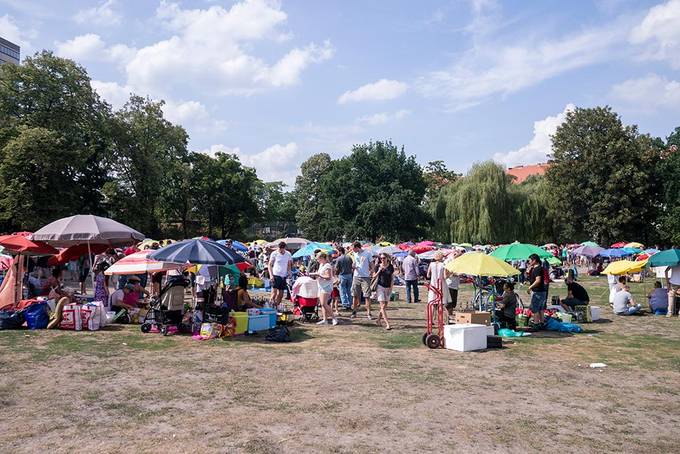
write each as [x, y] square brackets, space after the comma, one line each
[258, 323]
[271, 313]
[241, 319]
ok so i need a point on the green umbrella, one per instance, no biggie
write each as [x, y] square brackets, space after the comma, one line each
[519, 251]
[590, 243]
[554, 261]
[230, 270]
[670, 257]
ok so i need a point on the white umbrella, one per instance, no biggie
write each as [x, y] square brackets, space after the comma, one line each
[140, 263]
[86, 228]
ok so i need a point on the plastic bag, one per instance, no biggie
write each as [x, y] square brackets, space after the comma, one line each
[507, 332]
[552, 324]
[11, 320]
[37, 316]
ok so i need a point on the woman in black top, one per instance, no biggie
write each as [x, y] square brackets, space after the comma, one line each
[384, 274]
[505, 313]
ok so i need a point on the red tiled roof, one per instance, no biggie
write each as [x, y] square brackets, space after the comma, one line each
[521, 173]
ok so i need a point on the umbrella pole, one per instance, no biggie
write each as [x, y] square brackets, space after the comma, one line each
[89, 257]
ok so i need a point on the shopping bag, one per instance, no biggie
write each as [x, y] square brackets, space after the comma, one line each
[37, 316]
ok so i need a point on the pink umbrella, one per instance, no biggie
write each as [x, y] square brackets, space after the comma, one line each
[140, 263]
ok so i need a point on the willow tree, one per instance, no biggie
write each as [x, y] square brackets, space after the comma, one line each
[487, 207]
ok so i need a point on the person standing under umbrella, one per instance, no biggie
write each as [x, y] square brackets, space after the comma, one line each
[279, 267]
[410, 267]
[343, 269]
[537, 289]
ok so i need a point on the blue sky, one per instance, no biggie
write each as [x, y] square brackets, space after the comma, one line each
[461, 81]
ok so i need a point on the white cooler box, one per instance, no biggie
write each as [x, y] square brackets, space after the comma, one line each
[465, 337]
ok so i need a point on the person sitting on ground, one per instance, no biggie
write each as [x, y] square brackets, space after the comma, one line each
[505, 313]
[576, 295]
[624, 304]
[55, 286]
[243, 300]
[613, 290]
[137, 292]
[117, 298]
[658, 300]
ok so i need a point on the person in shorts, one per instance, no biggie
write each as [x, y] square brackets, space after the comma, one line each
[361, 282]
[280, 266]
[537, 289]
[385, 277]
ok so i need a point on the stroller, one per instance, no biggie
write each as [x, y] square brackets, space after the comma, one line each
[305, 299]
[165, 310]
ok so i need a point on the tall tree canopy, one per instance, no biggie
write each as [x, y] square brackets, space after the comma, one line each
[668, 171]
[48, 100]
[376, 191]
[601, 178]
[486, 207]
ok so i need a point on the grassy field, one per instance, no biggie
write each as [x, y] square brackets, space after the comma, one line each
[349, 388]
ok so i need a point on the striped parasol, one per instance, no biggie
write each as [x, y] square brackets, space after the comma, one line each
[140, 263]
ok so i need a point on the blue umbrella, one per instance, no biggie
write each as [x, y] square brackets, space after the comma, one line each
[588, 251]
[235, 245]
[204, 252]
[310, 248]
[651, 251]
[613, 253]
[632, 250]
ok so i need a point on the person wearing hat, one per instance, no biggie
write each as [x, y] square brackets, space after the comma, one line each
[136, 293]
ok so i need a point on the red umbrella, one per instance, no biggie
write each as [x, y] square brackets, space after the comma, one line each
[619, 244]
[420, 248]
[74, 252]
[242, 266]
[642, 257]
[26, 234]
[19, 244]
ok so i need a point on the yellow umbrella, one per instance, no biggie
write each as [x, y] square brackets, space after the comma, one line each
[635, 245]
[385, 244]
[624, 267]
[480, 264]
[260, 242]
[148, 242]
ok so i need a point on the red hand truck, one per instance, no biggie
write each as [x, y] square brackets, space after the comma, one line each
[431, 339]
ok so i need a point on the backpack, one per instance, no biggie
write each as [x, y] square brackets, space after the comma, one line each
[278, 334]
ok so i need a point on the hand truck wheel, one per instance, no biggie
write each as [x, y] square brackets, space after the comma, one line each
[433, 341]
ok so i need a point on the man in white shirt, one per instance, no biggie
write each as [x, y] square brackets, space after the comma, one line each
[624, 304]
[673, 279]
[361, 283]
[280, 266]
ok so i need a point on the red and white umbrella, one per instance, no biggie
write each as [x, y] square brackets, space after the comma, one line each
[140, 263]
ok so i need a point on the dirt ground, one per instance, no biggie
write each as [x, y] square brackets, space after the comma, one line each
[350, 388]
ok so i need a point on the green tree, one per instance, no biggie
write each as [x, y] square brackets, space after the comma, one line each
[437, 176]
[36, 170]
[376, 191]
[600, 178]
[54, 95]
[668, 175]
[274, 203]
[146, 146]
[309, 194]
[225, 193]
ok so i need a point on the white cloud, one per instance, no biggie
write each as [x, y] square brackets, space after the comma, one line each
[91, 47]
[660, 33]
[276, 163]
[209, 50]
[648, 93]
[102, 15]
[113, 93]
[382, 118]
[540, 146]
[493, 68]
[13, 33]
[9, 30]
[194, 116]
[83, 47]
[381, 90]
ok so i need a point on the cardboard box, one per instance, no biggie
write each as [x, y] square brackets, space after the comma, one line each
[477, 318]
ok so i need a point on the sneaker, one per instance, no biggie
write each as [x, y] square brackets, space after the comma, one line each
[354, 314]
[335, 321]
[322, 322]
